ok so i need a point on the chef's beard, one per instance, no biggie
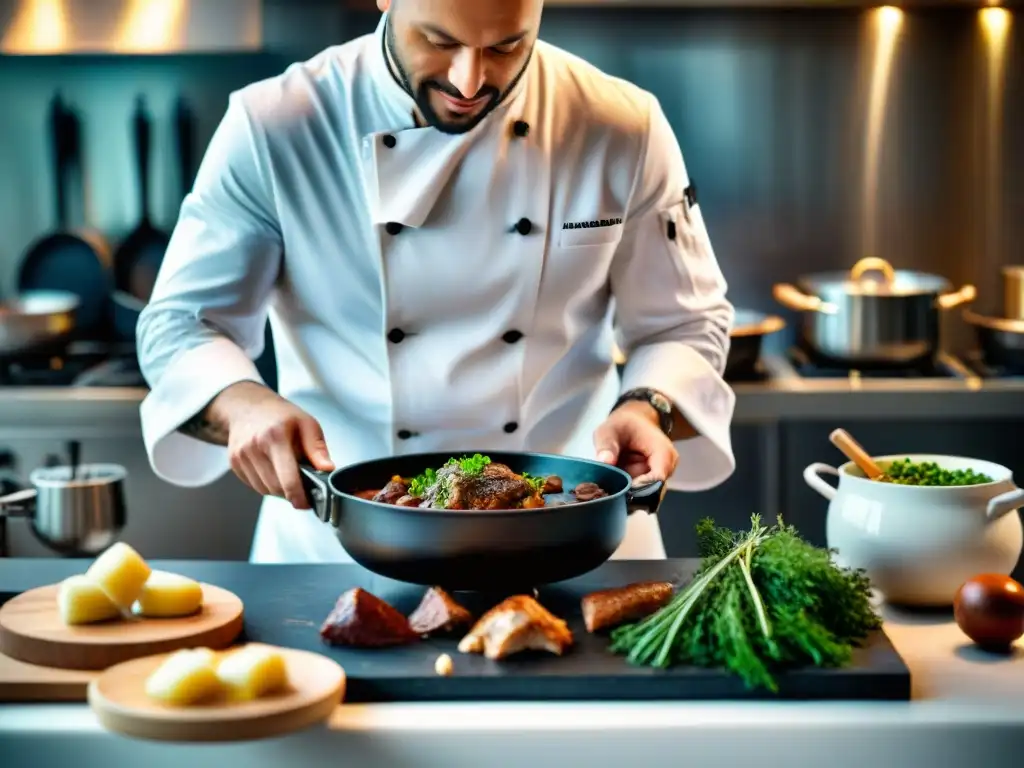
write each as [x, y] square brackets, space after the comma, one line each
[421, 95]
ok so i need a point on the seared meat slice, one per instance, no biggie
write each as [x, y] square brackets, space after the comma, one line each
[438, 612]
[363, 620]
[552, 484]
[496, 487]
[517, 624]
[611, 607]
[393, 491]
[589, 492]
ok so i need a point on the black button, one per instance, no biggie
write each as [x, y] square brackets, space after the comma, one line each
[511, 427]
[524, 226]
[396, 335]
[392, 227]
[521, 128]
[511, 337]
[390, 141]
[404, 434]
[671, 230]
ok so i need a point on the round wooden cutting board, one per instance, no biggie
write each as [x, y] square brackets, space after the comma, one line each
[118, 698]
[31, 631]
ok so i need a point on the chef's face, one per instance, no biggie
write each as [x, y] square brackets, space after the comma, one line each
[459, 58]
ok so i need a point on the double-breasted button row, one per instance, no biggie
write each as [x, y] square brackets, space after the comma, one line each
[406, 434]
[397, 336]
[524, 227]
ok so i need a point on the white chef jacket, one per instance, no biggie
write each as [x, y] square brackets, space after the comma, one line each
[395, 260]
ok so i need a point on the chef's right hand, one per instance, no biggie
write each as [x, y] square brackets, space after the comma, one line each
[266, 437]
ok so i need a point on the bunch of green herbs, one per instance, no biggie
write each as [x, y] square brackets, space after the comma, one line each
[761, 601]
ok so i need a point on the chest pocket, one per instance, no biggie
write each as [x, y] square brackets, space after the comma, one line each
[604, 235]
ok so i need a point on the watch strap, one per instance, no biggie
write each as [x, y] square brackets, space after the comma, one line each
[660, 403]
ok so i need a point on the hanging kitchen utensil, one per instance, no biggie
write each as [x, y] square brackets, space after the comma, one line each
[137, 261]
[127, 305]
[479, 550]
[746, 341]
[853, 450]
[73, 510]
[852, 319]
[1000, 340]
[64, 261]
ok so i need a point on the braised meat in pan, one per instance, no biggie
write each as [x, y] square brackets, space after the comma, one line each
[495, 486]
[477, 483]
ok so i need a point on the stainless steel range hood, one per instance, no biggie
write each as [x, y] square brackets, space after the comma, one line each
[47, 27]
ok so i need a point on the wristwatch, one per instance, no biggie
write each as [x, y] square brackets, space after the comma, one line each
[657, 401]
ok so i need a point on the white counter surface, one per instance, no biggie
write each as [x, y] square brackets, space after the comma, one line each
[968, 711]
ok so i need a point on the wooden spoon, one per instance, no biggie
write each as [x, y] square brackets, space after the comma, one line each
[844, 441]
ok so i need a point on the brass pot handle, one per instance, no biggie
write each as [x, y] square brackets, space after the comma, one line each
[952, 300]
[793, 298]
[873, 264]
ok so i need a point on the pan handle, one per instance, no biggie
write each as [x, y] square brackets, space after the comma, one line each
[646, 498]
[793, 298]
[965, 295]
[318, 492]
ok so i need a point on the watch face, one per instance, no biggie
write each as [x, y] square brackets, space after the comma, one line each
[661, 403]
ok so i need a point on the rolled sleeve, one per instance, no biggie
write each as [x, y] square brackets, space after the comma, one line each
[205, 322]
[672, 315]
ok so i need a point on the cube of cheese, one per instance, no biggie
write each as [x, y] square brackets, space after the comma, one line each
[121, 573]
[252, 672]
[167, 595]
[185, 677]
[81, 601]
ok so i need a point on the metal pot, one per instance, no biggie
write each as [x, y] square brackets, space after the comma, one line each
[479, 550]
[1013, 292]
[74, 510]
[853, 320]
[35, 319]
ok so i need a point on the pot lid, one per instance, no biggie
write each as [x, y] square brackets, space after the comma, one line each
[875, 277]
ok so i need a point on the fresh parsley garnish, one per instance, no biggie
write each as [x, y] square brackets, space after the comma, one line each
[537, 483]
[470, 465]
[418, 485]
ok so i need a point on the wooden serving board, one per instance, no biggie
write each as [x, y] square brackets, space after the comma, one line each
[27, 682]
[120, 703]
[31, 631]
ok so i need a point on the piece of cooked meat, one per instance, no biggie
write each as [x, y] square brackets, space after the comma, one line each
[496, 487]
[611, 607]
[362, 620]
[589, 492]
[552, 484]
[517, 624]
[392, 492]
[438, 613]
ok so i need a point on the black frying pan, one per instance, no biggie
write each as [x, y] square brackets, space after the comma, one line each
[73, 262]
[1000, 339]
[746, 340]
[128, 306]
[477, 550]
[137, 261]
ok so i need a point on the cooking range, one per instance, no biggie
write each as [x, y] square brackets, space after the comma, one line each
[77, 364]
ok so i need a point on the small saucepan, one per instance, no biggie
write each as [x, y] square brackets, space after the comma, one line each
[490, 550]
[1000, 340]
[74, 510]
[746, 341]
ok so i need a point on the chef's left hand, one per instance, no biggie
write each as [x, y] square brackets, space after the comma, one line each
[632, 439]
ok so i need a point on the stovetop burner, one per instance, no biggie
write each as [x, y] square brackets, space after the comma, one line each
[976, 361]
[80, 364]
[933, 368]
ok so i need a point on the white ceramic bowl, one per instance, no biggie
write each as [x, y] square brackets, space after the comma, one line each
[918, 544]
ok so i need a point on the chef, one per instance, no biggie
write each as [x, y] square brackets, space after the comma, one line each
[450, 225]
